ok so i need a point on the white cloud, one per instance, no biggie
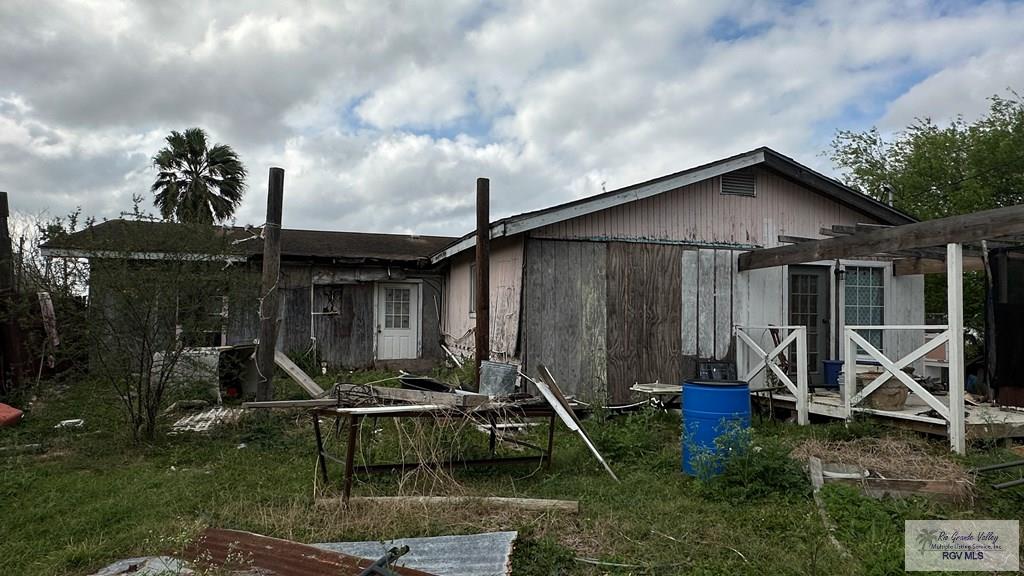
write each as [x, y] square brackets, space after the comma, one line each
[383, 114]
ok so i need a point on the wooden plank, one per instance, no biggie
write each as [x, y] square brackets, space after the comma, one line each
[296, 374]
[593, 354]
[689, 302]
[663, 310]
[525, 504]
[618, 322]
[706, 304]
[415, 396]
[723, 303]
[636, 311]
[534, 298]
[977, 226]
[566, 329]
[317, 403]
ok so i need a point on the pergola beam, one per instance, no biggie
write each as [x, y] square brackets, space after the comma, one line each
[996, 223]
[909, 266]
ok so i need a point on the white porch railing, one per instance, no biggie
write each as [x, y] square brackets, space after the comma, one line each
[770, 361]
[895, 369]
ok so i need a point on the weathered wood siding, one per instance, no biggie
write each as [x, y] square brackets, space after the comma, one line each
[699, 214]
[343, 326]
[644, 316]
[564, 314]
[904, 304]
[345, 337]
[708, 279]
[760, 300]
[506, 293]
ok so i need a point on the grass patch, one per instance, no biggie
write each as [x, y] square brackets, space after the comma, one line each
[93, 497]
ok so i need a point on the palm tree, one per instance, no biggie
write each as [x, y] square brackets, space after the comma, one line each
[197, 184]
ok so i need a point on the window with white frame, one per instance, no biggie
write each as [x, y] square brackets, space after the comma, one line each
[396, 307]
[865, 301]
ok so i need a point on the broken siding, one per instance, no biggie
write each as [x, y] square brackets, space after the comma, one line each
[708, 295]
[506, 281]
[564, 314]
[699, 214]
[343, 324]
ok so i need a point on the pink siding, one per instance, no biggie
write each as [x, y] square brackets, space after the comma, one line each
[506, 287]
[699, 213]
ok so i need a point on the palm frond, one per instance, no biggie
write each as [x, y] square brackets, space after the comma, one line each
[196, 183]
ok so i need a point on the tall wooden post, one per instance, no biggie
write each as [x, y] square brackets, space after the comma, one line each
[268, 286]
[483, 273]
[8, 314]
[955, 302]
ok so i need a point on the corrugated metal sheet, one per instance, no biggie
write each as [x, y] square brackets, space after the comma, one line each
[487, 554]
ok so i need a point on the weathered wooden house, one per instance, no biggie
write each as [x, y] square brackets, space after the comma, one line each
[634, 285]
[356, 299]
[640, 284]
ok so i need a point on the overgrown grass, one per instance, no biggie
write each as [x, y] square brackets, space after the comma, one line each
[93, 498]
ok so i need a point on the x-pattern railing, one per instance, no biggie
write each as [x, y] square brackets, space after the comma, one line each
[891, 369]
[773, 359]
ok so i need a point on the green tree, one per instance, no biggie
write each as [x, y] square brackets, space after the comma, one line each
[935, 170]
[197, 183]
[941, 170]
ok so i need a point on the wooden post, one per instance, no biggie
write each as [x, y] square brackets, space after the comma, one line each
[268, 286]
[8, 314]
[849, 372]
[801, 376]
[955, 302]
[483, 273]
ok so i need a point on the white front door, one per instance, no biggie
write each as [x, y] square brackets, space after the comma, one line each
[398, 321]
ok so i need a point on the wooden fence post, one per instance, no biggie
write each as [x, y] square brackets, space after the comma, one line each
[483, 274]
[268, 286]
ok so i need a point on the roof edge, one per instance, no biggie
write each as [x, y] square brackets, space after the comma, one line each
[830, 187]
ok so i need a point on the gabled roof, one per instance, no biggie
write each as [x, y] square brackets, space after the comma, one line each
[155, 238]
[763, 156]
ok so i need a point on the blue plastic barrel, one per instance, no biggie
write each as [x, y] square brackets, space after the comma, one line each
[832, 368]
[710, 409]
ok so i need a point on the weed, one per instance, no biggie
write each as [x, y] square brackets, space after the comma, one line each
[742, 468]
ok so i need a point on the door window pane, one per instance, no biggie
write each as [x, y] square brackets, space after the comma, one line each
[396, 307]
[803, 311]
[865, 301]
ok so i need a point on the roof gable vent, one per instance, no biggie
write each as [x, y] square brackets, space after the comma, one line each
[739, 183]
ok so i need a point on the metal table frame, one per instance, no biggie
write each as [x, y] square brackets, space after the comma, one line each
[355, 417]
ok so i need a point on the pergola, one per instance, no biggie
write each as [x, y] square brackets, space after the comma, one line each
[946, 245]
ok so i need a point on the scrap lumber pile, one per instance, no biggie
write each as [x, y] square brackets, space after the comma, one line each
[889, 466]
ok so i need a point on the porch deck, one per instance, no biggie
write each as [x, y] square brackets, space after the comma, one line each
[982, 421]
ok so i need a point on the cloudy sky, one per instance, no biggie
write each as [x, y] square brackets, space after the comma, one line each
[383, 113]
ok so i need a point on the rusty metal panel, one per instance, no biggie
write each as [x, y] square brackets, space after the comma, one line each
[217, 547]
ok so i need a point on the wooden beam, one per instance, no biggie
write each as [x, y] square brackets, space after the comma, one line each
[974, 227]
[297, 374]
[916, 265]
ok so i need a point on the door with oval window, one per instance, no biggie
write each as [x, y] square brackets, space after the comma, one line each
[398, 321]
